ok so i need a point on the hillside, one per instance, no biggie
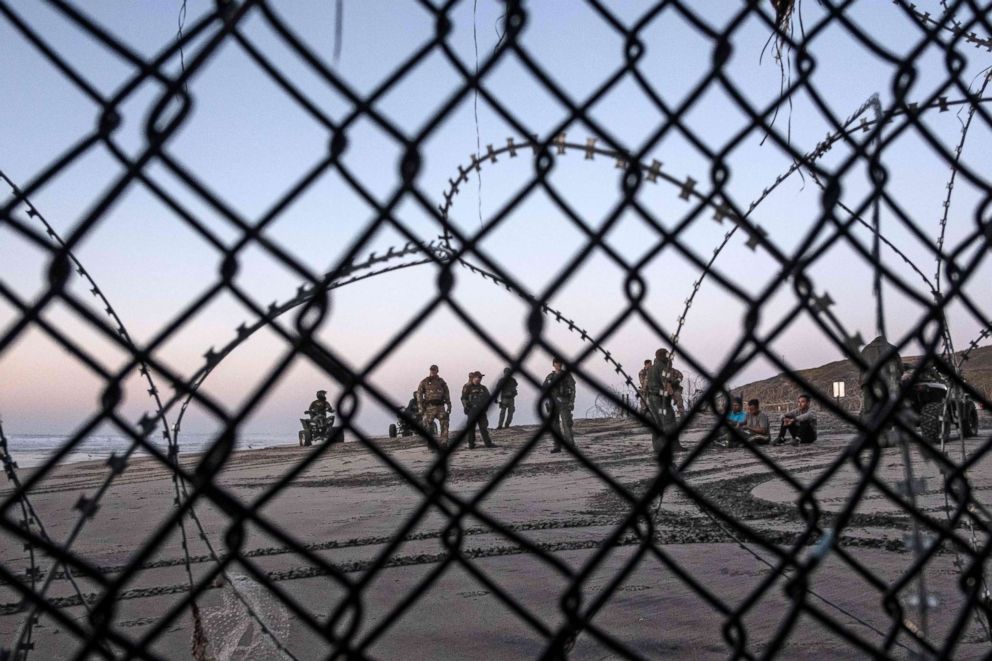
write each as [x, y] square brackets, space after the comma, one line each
[778, 393]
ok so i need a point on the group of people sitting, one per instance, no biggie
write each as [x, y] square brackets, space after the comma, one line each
[753, 427]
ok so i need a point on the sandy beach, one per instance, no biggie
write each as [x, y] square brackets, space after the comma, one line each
[353, 512]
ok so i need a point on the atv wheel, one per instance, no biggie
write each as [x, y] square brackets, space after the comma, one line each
[930, 423]
[969, 424]
[392, 431]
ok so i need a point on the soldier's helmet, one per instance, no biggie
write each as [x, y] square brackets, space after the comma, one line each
[433, 368]
[557, 361]
[507, 371]
[661, 353]
[321, 394]
[472, 375]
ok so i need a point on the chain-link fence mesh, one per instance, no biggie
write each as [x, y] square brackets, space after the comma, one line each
[872, 540]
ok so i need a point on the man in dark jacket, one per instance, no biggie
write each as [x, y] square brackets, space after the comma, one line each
[560, 386]
[475, 401]
[320, 407]
[506, 394]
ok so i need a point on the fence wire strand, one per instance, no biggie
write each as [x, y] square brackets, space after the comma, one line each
[788, 543]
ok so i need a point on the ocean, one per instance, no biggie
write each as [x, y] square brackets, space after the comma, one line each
[33, 449]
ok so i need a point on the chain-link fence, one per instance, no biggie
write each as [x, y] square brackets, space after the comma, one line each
[668, 529]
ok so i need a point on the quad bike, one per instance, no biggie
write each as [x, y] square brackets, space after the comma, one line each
[318, 428]
[401, 427]
[938, 410]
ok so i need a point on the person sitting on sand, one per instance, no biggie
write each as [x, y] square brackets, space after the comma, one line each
[800, 423]
[756, 426]
[736, 416]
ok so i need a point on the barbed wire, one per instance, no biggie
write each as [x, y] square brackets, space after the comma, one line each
[28, 517]
[813, 533]
[947, 23]
[965, 125]
[87, 507]
[653, 172]
[119, 465]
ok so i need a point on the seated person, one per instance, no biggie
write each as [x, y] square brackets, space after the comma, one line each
[321, 410]
[735, 420]
[736, 416]
[800, 423]
[756, 427]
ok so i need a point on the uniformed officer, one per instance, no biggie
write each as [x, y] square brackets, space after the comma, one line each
[321, 408]
[642, 377]
[560, 386]
[880, 384]
[660, 401]
[434, 402]
[675, 381]
[468, 382]
[475, 401]
[506, 394]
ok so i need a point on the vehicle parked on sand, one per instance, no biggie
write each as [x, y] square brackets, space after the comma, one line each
[938, 410]
[401, 428]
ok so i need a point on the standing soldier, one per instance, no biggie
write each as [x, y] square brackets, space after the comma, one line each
[880, 385]
[475, 401]
[642, 376]
[506, 393]
[434, 402]
[468, 383]
[560, 387]
[675, 380]
[660, 401]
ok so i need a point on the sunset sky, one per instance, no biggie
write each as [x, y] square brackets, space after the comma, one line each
[249, 143]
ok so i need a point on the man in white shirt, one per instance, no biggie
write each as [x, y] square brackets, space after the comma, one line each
[800, 423]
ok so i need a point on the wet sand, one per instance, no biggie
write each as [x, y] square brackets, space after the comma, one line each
[553, 520]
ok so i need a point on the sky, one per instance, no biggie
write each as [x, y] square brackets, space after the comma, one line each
[247, 142]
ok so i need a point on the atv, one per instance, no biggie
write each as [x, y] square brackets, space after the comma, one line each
[401, 427]
[938, 410]
[318, 428]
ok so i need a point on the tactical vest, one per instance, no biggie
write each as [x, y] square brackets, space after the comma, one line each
[508, 387]
[434, 390]
[476, 394]
[563, 389]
